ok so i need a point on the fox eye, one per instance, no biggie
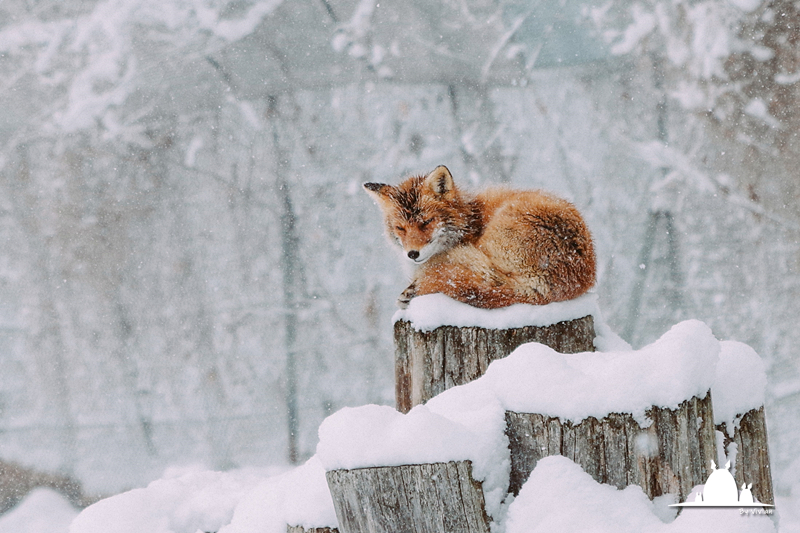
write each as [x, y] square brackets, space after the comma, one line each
[425, 223]
[401, 229]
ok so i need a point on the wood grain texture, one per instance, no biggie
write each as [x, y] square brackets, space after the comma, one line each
[671, 455]
[752, 454]
[425, 498]
[427, 363]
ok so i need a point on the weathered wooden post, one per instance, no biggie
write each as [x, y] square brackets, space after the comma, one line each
[740, 418]
[640, 417]
[671, 455]
[430, 361]
[419, 472]
[752, 453]
[422, 498]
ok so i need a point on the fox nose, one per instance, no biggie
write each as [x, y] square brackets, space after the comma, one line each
[413, 254]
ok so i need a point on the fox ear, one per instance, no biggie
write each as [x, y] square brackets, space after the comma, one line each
[440, 180]
[377, 190]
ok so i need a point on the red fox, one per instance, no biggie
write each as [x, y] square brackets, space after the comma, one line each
[492, 249]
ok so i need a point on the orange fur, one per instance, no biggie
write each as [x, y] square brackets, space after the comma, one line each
[492, 249]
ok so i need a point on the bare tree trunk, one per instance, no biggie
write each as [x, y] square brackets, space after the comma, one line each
[290, 268]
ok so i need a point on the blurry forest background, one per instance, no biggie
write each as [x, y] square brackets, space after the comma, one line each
[191, 274]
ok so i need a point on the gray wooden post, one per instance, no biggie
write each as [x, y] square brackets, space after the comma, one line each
[752, 454]
[671, 455]
[425, 498]
[430, 362]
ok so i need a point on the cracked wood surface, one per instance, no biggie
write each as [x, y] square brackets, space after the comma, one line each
[427, 363]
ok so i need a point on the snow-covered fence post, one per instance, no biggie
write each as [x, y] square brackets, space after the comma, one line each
[740, 419]
[671, 455]
[632, 417]
[438, 344]
[423, 498]
[431, 470]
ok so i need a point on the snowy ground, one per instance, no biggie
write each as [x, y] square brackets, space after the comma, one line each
[562, 498]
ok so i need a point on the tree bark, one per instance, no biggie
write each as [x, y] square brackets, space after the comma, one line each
[752, 454]
[426, 498]
[430, 362]
[671, 455]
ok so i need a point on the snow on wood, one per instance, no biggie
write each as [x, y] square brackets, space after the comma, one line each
[536, 379]
[441, 343]
[740, 383]
[668, 456]
[466, 426]
[738, 390]
[429, 362]
[431, 311]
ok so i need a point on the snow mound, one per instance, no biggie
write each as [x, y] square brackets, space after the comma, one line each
[560, 496]
[461, 424]
[41, 511]
[740, 383]
[230, 502]
[536, 379]
[299, 497]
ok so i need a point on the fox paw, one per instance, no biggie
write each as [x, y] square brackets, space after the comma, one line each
[406, 296]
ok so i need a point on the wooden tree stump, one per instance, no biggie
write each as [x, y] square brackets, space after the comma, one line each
[426, 498]
[430, 362]
[752, 454]
[672, 455]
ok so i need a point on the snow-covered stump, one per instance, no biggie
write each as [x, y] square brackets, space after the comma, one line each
[669, 456]
[422, 498]
[431, 358]
[752, 454]
[442, 467]
[739, 395]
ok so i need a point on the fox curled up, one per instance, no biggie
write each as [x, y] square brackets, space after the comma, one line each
[492, 249]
